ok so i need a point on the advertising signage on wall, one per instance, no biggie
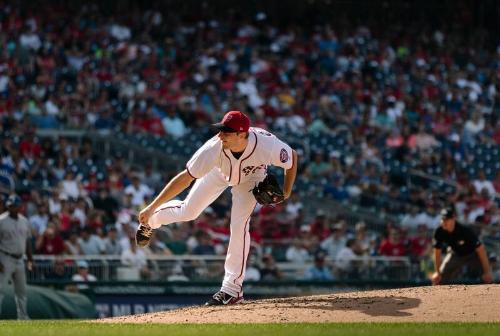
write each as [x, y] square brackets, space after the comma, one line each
[118, 305]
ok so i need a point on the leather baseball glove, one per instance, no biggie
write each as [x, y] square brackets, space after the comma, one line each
[268, 191]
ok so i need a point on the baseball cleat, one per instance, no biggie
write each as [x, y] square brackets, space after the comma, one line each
[143, 235]
[220, 299]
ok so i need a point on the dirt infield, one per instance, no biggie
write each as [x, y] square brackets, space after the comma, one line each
[480, 303]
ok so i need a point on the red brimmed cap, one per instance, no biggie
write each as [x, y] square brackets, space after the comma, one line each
[234, 121]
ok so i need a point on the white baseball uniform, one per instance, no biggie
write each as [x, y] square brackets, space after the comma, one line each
[215, 169]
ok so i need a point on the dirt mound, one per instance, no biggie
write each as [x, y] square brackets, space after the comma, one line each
[479, 303]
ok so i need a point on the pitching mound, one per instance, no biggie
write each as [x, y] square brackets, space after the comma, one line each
[479, 303]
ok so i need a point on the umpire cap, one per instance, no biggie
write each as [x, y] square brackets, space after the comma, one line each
[13, 200]
[448, 212]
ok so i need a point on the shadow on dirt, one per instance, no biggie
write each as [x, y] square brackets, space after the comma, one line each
[373, 306]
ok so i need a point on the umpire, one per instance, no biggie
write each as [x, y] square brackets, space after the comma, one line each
[464, 249]
[14, 242]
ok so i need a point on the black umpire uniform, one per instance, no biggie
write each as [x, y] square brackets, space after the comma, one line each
[464, 250]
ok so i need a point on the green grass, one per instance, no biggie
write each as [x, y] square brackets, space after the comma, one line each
[78, 328]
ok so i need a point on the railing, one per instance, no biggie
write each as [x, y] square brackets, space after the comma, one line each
[205, 268]
[110, 267]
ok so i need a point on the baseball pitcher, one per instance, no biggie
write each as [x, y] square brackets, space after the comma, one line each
[236, 157]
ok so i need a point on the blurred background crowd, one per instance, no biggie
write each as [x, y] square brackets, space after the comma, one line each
[391, 117]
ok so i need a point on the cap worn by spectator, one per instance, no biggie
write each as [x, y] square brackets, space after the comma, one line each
[335, 154]
[305, 228]
[360, 226]
[82, 264]
[338, 226]
[320, 256]
[320, 213]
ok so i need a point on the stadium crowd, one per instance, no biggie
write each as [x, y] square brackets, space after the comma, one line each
[376, 104]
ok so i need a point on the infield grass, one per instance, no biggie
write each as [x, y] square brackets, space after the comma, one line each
[79, 328]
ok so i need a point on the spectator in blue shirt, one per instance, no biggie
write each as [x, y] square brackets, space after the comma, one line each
[319, 271]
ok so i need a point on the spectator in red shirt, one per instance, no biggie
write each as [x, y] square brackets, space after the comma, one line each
[320, 227]
[267, 221]
[152, 124]
[284, 230]
[496, 135]
[64, 217]
[219, 229]
[420, 244]
[91, 184]
[496, 182]
[95, 220]
[206, 220]
[50, 242]
[144, 122]
[395, 139]
[484, 199]
[29, 146]
[393, 245]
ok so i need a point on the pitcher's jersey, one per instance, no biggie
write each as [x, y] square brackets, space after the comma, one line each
[263, 149]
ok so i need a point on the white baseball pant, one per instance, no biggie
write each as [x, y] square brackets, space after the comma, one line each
[204, 191]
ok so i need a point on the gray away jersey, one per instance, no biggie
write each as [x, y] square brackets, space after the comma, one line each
[14, 233]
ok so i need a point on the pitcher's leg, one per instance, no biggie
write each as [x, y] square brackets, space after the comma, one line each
[239, 242]
[19, 279]
[202, 194]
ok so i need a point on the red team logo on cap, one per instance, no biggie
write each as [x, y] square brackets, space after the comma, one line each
[283, 155]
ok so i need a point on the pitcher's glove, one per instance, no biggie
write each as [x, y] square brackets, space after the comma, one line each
[268, 191]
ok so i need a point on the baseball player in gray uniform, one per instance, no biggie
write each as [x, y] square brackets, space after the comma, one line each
[14, 242]
[237, 157]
